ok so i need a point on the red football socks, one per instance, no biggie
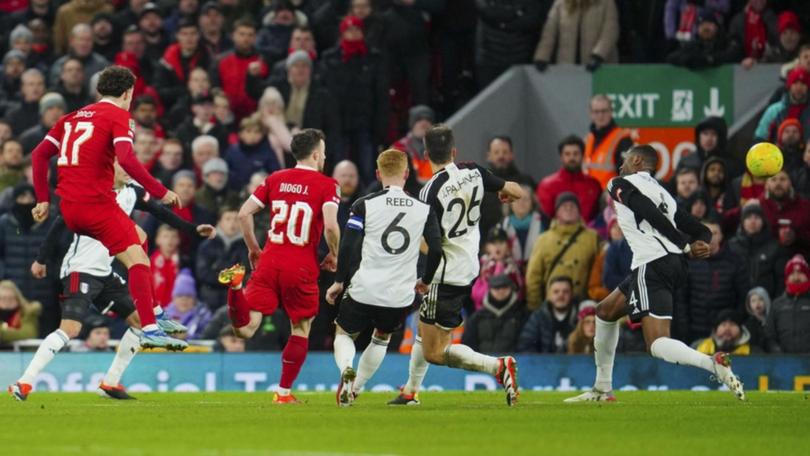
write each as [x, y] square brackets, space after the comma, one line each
[292, 358]
[238, 309]
[140, 288]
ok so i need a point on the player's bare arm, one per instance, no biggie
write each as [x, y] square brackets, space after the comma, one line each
[245, 216]
[40, 158]
[331, 232]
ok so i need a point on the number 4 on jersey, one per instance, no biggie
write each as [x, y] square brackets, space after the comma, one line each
[86, 130]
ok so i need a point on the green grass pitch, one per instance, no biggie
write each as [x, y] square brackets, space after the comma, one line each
[241, 424]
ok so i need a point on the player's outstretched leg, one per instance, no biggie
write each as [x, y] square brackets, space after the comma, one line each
[371, 359]
[165, 323]
[344, 358]
[49, 347]
[127, 349]
[719, 365]
[238, 309]
[604, 342]
[141, 290]
[417, 369]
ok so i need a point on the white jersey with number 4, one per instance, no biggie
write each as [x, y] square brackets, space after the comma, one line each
[455, 194]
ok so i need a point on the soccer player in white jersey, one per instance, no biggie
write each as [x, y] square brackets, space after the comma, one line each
[650, 221]
[89, 281]
[384, 233]
[454, 193]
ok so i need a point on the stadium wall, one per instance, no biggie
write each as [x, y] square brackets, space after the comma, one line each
[76, 372]
[660, 103]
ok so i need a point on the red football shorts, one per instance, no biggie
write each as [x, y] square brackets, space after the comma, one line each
[294, 289]
[105, 222]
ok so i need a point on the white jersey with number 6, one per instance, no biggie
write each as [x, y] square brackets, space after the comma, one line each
[455, 194]
[392, 223]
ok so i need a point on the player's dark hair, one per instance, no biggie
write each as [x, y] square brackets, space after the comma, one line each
[562, 278]
[305, 142]
[571, 140]
[503, 138]
[439, 144]
[114, 81]
[244, 21]
[804, 47]
[648, 154]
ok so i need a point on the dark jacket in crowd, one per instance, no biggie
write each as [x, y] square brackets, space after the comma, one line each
[543, 333]
[715, 284]
[765, 257]
[23, 116]
[244, 160]
[30, 138]
[360, 88]
[800, 177]
[73, 101]
[19, 246]
[213, 201]
[618, 258]
[508, 30]
[187, 132]
[495, 328]
[697, 54]
[213, 256]
[787, 326]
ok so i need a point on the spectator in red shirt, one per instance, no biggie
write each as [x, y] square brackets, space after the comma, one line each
[788, 215]
[165, 263]
[570, 178]
[230, 70]
[178, 61]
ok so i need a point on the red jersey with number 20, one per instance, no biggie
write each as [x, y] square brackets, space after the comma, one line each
[295, 198]
[86, 140]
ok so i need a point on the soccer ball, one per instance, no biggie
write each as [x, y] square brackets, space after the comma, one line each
[764, 159]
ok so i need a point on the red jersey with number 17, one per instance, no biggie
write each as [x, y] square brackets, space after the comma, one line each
[86, 140]
[295, 198]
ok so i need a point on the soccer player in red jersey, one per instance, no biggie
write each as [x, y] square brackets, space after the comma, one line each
[303, 205]
[88, 141]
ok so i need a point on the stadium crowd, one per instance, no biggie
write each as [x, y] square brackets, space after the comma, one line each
[224, 84]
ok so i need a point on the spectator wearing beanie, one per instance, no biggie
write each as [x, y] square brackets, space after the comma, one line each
[788, 322]
[790, 36]
[567, 248]
[11, 79]
[758, 307]
[495, 327]
[215, 193]
[570, 178]
[760, 249]
[356, 78]
[681, 18]
[728, 335]
[790, 141]
[792, 105]
[185, 307]
[420, 119]
[711, 137]
[580, 341]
